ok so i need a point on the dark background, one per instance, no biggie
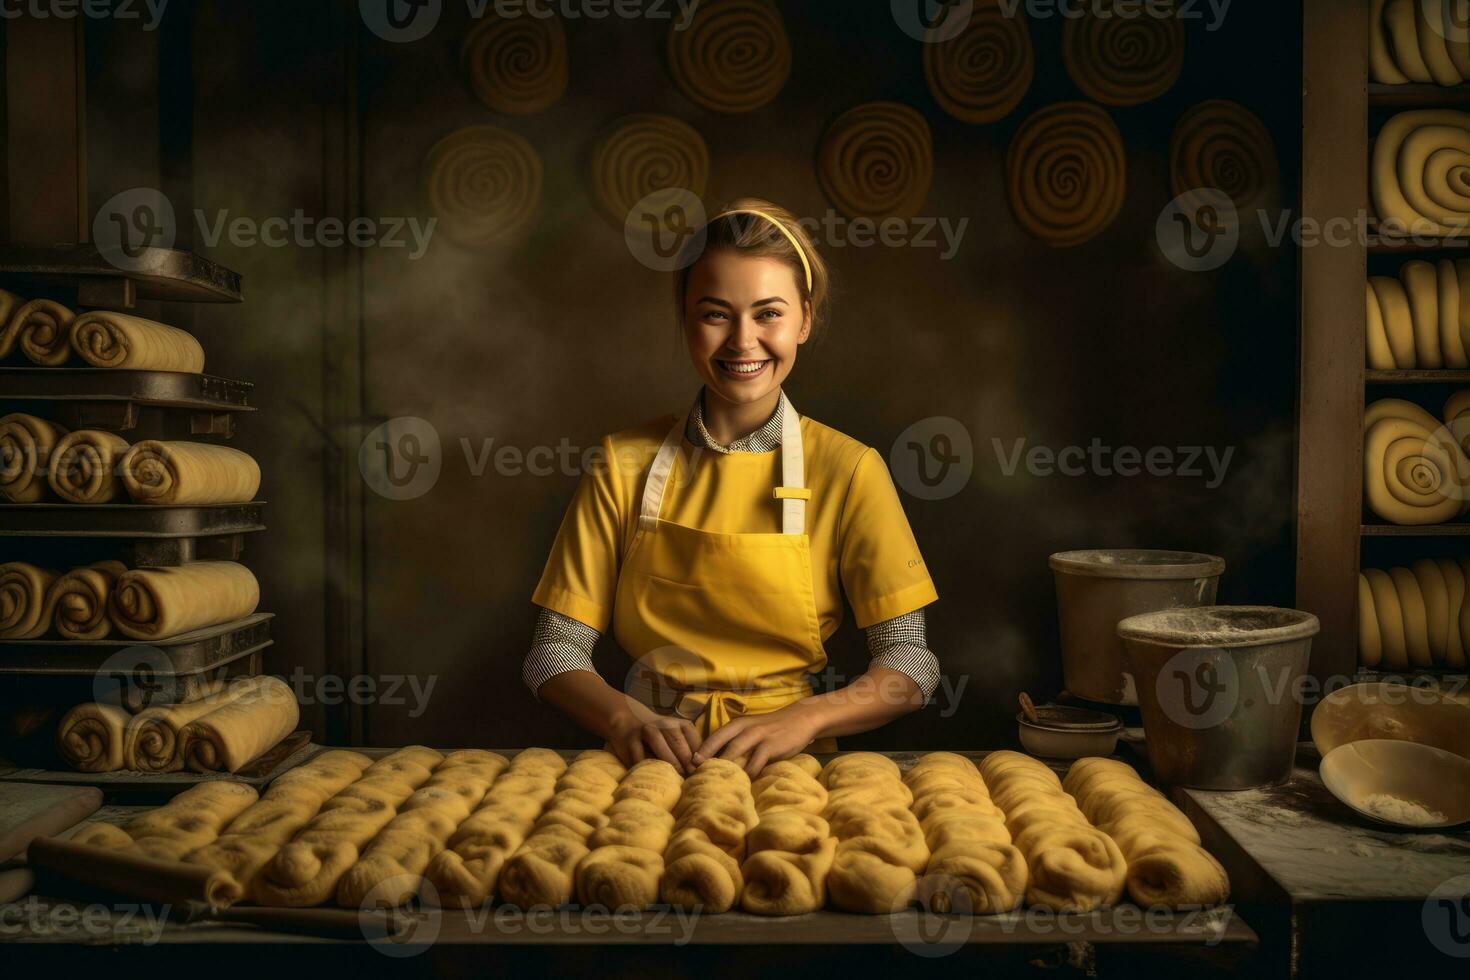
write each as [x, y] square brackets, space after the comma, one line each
[267, 107]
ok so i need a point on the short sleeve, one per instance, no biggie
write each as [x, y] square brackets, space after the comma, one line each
[882, 571]
[581, 574]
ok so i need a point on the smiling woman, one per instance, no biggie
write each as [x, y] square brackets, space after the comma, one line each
[720, 557]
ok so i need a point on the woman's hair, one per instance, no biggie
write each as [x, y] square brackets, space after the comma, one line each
[754, 236]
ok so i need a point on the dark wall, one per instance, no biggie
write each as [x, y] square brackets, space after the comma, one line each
[567, 337]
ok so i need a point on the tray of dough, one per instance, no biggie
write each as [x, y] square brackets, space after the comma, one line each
[129, 520]
[187, 653]
[168, 389]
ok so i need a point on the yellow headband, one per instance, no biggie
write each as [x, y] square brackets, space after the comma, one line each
[801, 252]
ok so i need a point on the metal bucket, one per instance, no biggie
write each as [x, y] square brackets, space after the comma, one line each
[1097, 588]
[1219, 691]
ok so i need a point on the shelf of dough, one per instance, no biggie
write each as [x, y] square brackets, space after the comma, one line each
[859, 848]
[165, 389]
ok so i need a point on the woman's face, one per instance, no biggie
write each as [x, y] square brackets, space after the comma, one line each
[743, 321]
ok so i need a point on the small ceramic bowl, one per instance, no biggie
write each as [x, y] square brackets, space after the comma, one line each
[1366, 774]
[1060, 732]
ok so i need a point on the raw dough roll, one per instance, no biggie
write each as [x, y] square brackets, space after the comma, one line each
[1421, 173]
[1422, 288]
[9, 326]
[156, 603]
[702, 860]
[1455, 649]
[643, 154]
[1166, 865]
[1412, 617]
[970, 849]
[90, 737]
[626, 861]
[84, 466]
[1381, 66]
[391, 868]
[1451, 340]
[1370, 640]
[185, 823]
[189, 473]
[516, 65]
[1401, 20]
[1414, 472]
[231, 735]
[1398, 322]
[1433, 27]
[877, 161]
[306, 870]
[79, 600]
[1123, 60]
[254, 837]
[880, 844]
[980, 74]
[1066, 172]
[465, 872]
[733, 56]
[1073, 866]
[26, 600]
[26, 444]
[43, 329]
[1389, 616]
[791, 850]
[117, 340]
[542, 871]
[1222, 145]
[1379, 353]
[151, 741]
[484, 183]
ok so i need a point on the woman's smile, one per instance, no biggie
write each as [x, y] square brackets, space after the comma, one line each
[745, 369]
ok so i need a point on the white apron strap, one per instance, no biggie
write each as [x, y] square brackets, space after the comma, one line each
[793, 493]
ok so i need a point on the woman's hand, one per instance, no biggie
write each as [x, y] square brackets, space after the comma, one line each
[759, 739]
[633, 738]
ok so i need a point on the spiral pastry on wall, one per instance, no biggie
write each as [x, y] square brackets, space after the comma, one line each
[1420, 173]
[980, 75]
[1222, 145]
[484, 183]
[1414, 471]
[1066, 173]
[1123, 60]
[643, 154]
[516, 65]
[733, 57]
[877, 161]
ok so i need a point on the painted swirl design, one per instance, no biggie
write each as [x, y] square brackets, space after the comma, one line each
[1123, 58]
[877, 161]
[982, 73]
[733, 56]
[1221, 145]
[1066, 173]
[516, 65]
[484, 183]
[643, 154]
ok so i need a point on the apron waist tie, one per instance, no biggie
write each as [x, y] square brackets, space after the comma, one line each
[712, 707]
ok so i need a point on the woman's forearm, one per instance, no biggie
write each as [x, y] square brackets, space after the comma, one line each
[871, 701]
[587, 699]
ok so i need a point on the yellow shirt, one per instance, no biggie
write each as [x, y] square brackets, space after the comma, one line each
[861, 543]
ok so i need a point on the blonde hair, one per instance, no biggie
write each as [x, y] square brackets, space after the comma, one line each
[755, 236]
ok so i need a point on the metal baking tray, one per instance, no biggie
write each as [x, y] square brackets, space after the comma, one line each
[129, 520]
[167, 389]
[169, 274]
[187, 653]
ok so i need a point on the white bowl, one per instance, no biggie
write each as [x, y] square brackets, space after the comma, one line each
[1433, 778]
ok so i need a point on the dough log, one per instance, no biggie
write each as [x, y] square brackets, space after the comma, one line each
[195, 473]
[156, 603]
[881, 849]
[714, 813]
[151, 742]
[791, 850]
[26, 444]
[1073, 866]
[390, 871]
[234, 733]
[79, 600]
[972, 862]
[1419, 173]
[90, 737]
[1414, 471]
[9, 326]
[1166, 865]
[84, 467]
[25, 600]
[1414, 618]
[117, 340]
[626, 860]
[189, 821]
[43, 329]
[464, 874]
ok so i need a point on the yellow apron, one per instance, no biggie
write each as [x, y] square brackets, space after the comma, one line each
[721, 625]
